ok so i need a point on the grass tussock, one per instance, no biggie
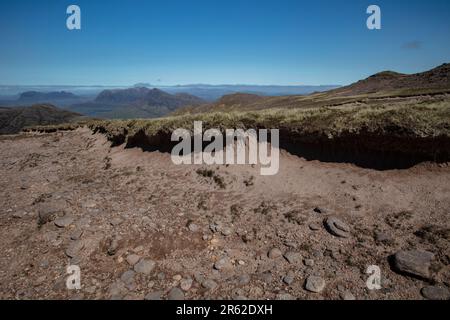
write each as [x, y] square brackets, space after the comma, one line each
[419, 130]
[425, 120]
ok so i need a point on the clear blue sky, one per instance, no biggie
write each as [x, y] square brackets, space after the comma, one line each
[218, 41]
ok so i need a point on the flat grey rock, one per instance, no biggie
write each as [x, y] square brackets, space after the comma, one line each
[274, 253]
[128, 276]
[315, 284]
[209, 284]
[285, 296]
[414, 262]
[64, 221]
[156, 295]
[132, 259]
[175, 294]
[223, 264]
[435, 293]
[74, 248]
[337, 227]
[293, 257]
[289, 278]
[145, 266]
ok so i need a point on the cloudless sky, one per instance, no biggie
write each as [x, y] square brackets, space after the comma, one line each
[218, 41]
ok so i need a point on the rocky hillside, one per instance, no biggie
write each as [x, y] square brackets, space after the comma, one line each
[13, 120]
[378, 89]
[437, 78]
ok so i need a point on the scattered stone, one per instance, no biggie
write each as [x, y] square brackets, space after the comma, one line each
[132, 259]
[206, 237]
[414, 262]
[243, 279]
[199, 277]
[435, 293]
[285, 296]
[241, 262]
[75, 261]
[290, 244]
[145, 266]
[214, 227]
[248, 237]
[266, 277]
[193, 227]
[314, 226]
[334, 254]
[18, 215]
[274, 253]
[317, 253]
[186, 284]
[138, 249]
[161, 276]
[128, 276]
[337, 227]
[117, 289]
[209, 284]
[319, 210]
[226, 231]
[74, 248]
[64, 221]
[76, 235]
[116, 221]
[309, 262]
[292, 257]
[214, 242]
[177, 277]
[146, 221]
[315, 284]
[91, 289]
[347, 295]
[289, 278]
[223, 264]
[156, 295]
[175, 294]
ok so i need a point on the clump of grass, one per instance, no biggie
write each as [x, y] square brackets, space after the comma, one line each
[207, 173]
[250, 181]
[220, 181]
[424, 120]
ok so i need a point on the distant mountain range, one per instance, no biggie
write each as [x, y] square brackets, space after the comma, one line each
[13, 120]
[61, 98]
[135, 103]
[386, 84]
[140, 101]
[143, 102]
[204, 91]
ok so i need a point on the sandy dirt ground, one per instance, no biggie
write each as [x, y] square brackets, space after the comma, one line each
[140, 227]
